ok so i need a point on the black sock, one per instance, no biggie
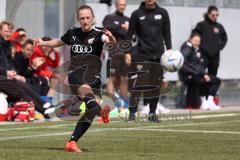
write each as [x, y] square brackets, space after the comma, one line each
[153, 105]
[85, 121]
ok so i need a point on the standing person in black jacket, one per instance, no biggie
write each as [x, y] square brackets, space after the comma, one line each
[6, 62]
[151, 24]
[194, 75]
[118, 24]
[214, 39]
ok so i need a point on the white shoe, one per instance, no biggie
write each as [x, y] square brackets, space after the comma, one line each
[49, 110]
[145, 110]
[212, 105]
[204, 105]
[46, 105]
[162, 109]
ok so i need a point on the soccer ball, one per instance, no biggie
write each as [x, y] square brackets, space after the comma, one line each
[172, 60]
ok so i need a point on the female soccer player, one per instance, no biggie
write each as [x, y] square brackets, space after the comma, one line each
[84, 41]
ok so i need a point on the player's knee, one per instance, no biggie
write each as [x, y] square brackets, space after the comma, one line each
[124, 81]
[84, 90]
[98, 100]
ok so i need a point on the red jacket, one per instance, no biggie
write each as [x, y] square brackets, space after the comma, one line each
[17, 46]
[43, 69]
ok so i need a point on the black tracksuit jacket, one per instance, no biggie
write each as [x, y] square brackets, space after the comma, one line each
[152, 27]
[213, 35]
[6, 62]
[22, 65]
[113, 23]
[193, 62]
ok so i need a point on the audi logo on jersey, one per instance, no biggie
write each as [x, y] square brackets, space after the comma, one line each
[77, 48]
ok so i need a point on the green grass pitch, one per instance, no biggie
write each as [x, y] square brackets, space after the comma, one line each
[212, 138]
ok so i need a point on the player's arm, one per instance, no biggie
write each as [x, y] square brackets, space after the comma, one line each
[54, 43]
[223, 38]
[167, 32]
[107, 37]
[188, 67]
[133, 23]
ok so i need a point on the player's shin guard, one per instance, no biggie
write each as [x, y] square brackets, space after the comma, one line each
[85, 121]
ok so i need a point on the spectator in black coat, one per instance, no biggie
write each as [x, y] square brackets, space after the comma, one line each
[194, 75]
[214, 39]
[6, 62]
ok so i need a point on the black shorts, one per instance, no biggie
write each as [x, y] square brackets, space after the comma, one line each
[79, 77]
[116, 66]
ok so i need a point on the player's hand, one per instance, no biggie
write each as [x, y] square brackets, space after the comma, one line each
[207, 78]
[109, 35]
[128, 59]
[169, 50]
[20, 78]
[37, 62]
[164, 84]
[11, 74]
[37, 42]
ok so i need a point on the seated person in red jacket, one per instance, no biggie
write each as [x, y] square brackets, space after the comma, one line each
[23, 68]
[50, 57]
[18, 38]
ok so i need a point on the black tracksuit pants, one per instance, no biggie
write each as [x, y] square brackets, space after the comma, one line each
[148, 86]
[16, 90]
[197, 86]
[212, 63]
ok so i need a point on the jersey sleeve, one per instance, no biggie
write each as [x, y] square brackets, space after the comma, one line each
[66, 38]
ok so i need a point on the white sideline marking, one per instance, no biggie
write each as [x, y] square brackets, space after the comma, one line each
[147, 128]
[213, 116]
[169, 115]
[174, 125]
[39, 127]
[190, 124]
[189, 131]
[161, 126]
[34, 136]
[45, 127]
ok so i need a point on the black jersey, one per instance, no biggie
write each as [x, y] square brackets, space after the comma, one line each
[84, 42]
[213, 37]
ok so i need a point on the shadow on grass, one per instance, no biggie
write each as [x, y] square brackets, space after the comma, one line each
[42, 148]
